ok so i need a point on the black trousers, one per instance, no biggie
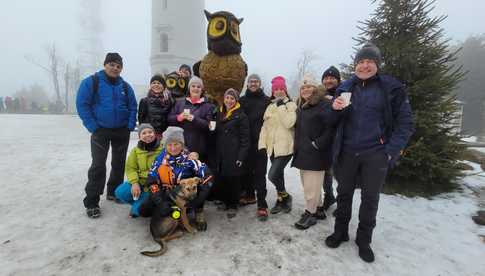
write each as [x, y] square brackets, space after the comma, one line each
[101, 140]
[276, 172]
[255, 176]
[369, 170]
[229, 190]
[327, 184]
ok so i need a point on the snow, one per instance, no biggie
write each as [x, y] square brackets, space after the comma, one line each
[45, 231]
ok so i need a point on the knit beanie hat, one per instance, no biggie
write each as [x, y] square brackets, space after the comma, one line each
[308, 80]
[332, 72]
[144, 126]
[278, 83]
[254, 77]
[158, 78]
[173, 134]
[233, 92]
[113, 57]
[368, 51]
[196, 80]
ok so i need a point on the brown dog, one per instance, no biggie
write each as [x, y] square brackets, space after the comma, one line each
[167, 228]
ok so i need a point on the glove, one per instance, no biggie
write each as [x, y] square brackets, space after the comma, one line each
[239, 163]
[280, 102]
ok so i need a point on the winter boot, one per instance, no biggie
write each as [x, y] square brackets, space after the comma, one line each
[93, 212]
[286, 204]
[262, 214]
[307, 220]
[365, 252]
[283, 203]
[334, 240]
[320, 214]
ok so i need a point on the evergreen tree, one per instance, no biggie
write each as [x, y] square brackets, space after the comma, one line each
[415, 52]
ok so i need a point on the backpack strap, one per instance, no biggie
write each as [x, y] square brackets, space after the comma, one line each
[95, 86]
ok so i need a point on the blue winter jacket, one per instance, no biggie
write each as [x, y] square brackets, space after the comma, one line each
[110, 107]
[391, 129]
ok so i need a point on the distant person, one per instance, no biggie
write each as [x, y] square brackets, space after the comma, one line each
[330, 81]
[193, 115]
[374, 128]
[277, 138]
[155, 107]
[9, 104]
[314, 131]
[107, 107]
[135, 191]
[185, 71]
[254, 104]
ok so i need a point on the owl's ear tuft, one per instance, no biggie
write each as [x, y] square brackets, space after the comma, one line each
[240, 20]
[208, 15]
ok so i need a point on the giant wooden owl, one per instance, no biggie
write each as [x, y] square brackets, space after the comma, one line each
[223, 67]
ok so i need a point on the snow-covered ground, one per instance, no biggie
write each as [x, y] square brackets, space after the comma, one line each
[44, 230]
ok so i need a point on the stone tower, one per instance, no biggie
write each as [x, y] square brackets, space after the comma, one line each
[178, 34]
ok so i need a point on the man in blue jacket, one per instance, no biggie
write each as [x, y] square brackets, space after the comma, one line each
[374, 128]
[107, 107]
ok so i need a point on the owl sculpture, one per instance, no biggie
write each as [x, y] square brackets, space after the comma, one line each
[176, 85]
[223, 67]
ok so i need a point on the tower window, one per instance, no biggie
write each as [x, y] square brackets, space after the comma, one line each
[163, 43]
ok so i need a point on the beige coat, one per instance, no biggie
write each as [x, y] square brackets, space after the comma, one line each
[278, 132]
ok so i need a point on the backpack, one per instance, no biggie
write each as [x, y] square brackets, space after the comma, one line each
[96, 85]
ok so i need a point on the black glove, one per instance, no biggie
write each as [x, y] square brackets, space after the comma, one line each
[280, 102]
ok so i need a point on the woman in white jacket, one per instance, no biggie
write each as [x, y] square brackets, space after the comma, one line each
[277, 137]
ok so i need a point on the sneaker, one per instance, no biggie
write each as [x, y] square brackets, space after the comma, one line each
[307, 219]
[320, 214]
[328, 201]
[286, 204]
[94, 212]
[334, 240]
[366, 253]
[262, 214]
[231, 212]
[277, 208]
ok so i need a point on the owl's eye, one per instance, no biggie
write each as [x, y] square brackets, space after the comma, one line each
[235, 31]
[182, 83]
[217, 27]
[171, 83]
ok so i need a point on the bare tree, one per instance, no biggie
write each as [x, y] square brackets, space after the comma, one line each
[303, 67]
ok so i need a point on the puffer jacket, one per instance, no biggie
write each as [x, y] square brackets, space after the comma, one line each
[278, 131]
[139, 163]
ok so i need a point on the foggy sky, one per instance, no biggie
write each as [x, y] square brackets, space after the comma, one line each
[274, 33]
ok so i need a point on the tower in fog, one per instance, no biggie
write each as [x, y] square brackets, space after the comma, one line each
[178, 34]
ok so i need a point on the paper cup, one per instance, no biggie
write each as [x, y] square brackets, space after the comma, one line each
[187, 111]
[346, 96]
[212, 125]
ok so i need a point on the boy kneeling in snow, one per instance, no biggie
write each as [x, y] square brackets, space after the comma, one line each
[172, 164]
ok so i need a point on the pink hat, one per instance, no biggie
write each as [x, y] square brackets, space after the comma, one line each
[278, 83]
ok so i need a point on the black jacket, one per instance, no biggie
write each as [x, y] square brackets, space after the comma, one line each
[314, 133]
[232, 137]
[154, 110]
[254, 104]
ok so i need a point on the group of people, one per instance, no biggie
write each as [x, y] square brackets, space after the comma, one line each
[354, 130]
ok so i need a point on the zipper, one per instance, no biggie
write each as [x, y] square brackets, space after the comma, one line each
[115, 100]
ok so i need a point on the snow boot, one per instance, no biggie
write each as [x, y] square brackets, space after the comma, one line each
[334, 240]
[365, 252]
[283, 203]
[307, 220]
[94, 212]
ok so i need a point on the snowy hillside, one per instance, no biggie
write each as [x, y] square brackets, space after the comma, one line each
[44, 229]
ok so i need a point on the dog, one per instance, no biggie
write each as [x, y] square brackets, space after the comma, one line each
[167, 228]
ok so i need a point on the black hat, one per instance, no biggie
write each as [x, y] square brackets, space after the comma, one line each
[113, 57]
[369, 51]
[332, 72]
[158, 78]
[185, 66]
